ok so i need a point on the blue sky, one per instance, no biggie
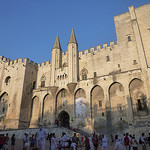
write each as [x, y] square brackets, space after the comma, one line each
[28, 28]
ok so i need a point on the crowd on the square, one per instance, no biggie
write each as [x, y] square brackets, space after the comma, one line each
[77, 141]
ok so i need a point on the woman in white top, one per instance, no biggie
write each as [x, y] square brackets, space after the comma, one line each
[91, 143]
[118, 145]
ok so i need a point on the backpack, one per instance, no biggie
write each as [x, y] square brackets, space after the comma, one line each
[140, 141]
[126, 140]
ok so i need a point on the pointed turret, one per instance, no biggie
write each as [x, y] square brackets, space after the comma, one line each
[56, 60]
[72, 38]
[57, 43]
[73, 59]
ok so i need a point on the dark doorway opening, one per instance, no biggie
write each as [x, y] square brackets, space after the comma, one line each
[64, 119]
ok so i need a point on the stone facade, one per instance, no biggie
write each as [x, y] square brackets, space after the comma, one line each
[106, 89]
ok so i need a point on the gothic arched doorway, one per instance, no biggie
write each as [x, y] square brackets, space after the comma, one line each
[64, 119]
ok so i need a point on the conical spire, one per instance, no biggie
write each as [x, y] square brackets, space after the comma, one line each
[57, 43]
[72, 38]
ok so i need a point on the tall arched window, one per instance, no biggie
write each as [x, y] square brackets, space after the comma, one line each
[84, 73]
[43, 78]
[7, 80]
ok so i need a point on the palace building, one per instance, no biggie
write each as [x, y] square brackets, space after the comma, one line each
[106, 88]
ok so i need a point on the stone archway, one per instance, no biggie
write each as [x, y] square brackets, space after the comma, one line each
[138, 97]
[80, 104]
[61, 100]
[64, 119]
[34, 118]
[47, 110]
[4, 98]
[3, 103]
[97, 101]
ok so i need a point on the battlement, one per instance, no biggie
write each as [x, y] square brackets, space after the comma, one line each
[99, 48]
[43, 64]
[17, 61]
[4, 59]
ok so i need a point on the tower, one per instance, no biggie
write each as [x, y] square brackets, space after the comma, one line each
[73, 59]
[56, 60]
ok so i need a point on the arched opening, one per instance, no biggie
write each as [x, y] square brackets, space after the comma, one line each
[61, 99]
[47, 109]
[117, 114]
[116, 96]
[3, 104]
[64, 119]
[7, 80]
[80, 104]
[138, 97]
[97, 102]
[84, 73]
[35, 106]
[43, 79]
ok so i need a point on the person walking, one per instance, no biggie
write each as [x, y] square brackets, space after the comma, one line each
[126, 142]
[143, 142]
[91, 143]
[13, 140]
[134, 143]
[41, 136]
[32, 141]
[74, 141]
[25, 141]
[87, 144]
[6, 139]
[96, 142]
[104, 142]
[53, 142]
[65, 140]
[118, 145]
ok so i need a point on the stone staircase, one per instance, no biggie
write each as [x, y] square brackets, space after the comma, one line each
[20, 132]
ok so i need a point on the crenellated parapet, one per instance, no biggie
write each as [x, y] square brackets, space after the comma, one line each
[19, 61]
[4, 59]
[44, 64]
[99, 49]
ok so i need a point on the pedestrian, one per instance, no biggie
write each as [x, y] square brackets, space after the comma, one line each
[96, 142]
[126, 142]
[65, 140]
[143, 142]
[87, 144]
[41, 136]
[104, 142]
[134, 143]
[1, 141]
[74, 141]
[130, 142]
[25, 141]
[79, 138]
[123, 138]
[13, 140]
[53, 142]
[91, 142]
[118, 145]
[6, 139]
[32, 141]
[82, 140]
[112, 139]
[100, 140]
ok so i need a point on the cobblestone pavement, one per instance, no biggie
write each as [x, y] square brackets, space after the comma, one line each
[19, 146]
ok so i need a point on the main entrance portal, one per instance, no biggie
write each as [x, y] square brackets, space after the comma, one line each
[64, 119]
